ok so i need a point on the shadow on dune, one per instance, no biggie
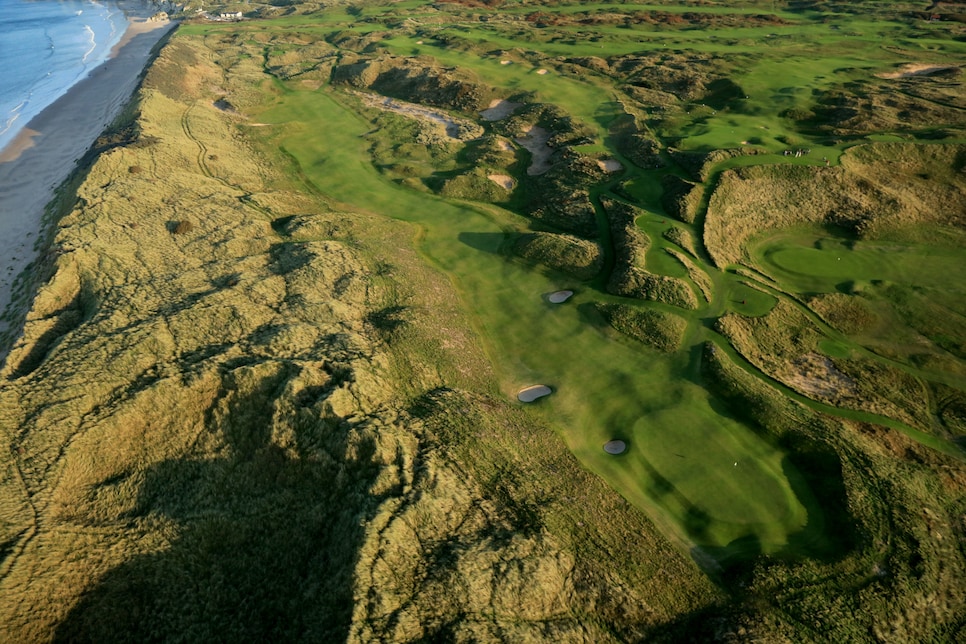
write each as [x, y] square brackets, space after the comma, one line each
[263, 541]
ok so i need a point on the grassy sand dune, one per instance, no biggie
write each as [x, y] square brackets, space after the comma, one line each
[262, 423]
[318, 316]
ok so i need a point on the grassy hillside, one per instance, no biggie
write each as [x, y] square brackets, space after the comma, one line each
[270, 389]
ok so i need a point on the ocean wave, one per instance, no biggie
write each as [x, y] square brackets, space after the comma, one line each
[47, 48]
[93, 37]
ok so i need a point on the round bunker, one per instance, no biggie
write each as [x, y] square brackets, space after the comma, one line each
[559, 297]
[529, 394]
[615, 447]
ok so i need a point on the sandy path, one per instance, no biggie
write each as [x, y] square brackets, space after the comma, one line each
[47, 150]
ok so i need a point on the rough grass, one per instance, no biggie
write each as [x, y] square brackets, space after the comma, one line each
[657, 329]
[309, 408]
[785, 343]
[865, 196]
[577, 257]
[251, 444]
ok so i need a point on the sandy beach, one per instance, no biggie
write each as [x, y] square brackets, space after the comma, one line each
[47, 150]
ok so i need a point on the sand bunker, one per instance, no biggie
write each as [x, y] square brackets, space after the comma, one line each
[506, 62]
[502, 180]
[499, 109]
[529, 394]
[456, 128]
[559, 297]
[610, 165]
[915, 69]
[541, 71]
[615, 447]
[534, 139]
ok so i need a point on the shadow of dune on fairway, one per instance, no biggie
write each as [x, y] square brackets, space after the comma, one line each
[815, 474]
[264, 540]
[489, 242]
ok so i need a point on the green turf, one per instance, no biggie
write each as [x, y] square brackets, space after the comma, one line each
[683, 444]
[602, 388]
[817, 263]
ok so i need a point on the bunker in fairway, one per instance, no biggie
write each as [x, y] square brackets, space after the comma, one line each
[615, 447]
[529, 394]
[559, 297]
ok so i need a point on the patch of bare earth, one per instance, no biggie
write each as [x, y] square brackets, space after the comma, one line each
[456, 128]
[534, 139]
[499, 109]
[915, 69]
[502, 180]
[610, 165]
[815, 376]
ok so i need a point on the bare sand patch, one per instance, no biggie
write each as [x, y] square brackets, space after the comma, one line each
[610, 165]
[534, 139]
[533, 392]
[615, 447]
[502, 180]
[506, 62]
[456, 128]
[559, 297]
[541, 71]
[915, 69]
[499, 109]
[22, 142]
[136, 27]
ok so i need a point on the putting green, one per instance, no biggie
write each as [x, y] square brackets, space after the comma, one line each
[809, 262]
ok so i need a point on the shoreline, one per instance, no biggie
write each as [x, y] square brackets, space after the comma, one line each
[47, 150]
